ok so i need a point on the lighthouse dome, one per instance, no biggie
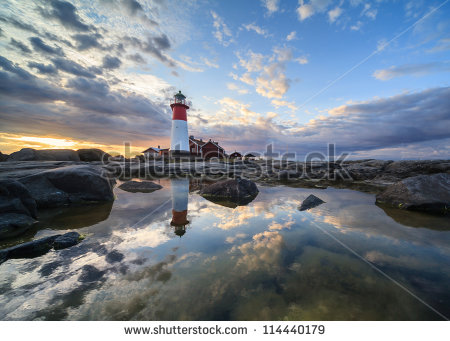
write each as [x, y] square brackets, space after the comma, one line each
[180, 96]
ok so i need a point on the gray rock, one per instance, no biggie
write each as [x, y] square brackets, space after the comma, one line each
[17, 209]
[3, 157]
[310, 202]
[239, 191]
[93, 154]
[16, 198]
[429, 193]
[67, 240]
[67, 185]
[29, 154]
[139, 186]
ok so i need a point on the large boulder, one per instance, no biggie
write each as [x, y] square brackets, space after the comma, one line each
[89, 155]
[429, 193]
[139, 186]
[78, 184]
[17, 208]
[29, 154]
[310, 202]
[238, 191]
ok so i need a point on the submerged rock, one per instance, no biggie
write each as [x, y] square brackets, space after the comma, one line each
[29, 154]
[139, 186]
[310, 202]
[68, 185]
[238, 191]
[67, 240]
[17, 209]
[41, 246]
[428, 193]
[93, 154]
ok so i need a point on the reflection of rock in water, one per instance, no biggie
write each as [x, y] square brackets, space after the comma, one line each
[180, 193]
[64, 218]
[74, 217]
[417, 219]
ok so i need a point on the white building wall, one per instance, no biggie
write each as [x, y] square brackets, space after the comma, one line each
[179, 138]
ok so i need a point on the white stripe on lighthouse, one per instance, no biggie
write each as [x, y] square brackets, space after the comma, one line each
[179, 139]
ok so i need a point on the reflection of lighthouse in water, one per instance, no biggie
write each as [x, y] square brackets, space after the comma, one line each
[180, 193]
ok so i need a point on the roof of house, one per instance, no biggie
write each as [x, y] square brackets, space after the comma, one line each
[235, 153]
[197, 141]
[150, 149]
[214, 143]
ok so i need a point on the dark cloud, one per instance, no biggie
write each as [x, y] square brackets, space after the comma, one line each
[110, 62]
[154, 45]
[21, 46]
[414, 118]
[87, 41]
[39, 46]
[136, 58]
[90, 86]
[7, 65]
[66, 14]
[54, 37]
[43, 69]
[74, 68]
[19, 24]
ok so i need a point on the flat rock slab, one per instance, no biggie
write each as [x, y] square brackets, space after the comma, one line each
[310, 202]
[428, 193]
[238, 191]
[67, 240]
[140, 186]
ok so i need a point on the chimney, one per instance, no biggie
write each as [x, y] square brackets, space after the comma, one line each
[191, 137]
[159, 147]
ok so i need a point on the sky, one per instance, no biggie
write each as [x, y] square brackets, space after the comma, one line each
[371, 77]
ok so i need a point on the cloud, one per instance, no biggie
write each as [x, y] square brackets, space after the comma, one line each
[74, 68]
[411, 70]
[39, 46]
[369, 12]
[7, 65]
[87, 41]
[271, 6]
[43, 69]
[279, 103]
[291, 36]
[19, 24]
[357, 26]
[306, 10]
[235, 87]
[66, 14]
[110, 62]
[136, 57]
[21, 46]
[334, 14]
[257, 29]
[153, 45]
[270, 80]
[404, 122]
[222, 33]
[302, 60]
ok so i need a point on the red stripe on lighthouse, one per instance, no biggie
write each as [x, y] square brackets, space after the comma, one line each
[179, 113]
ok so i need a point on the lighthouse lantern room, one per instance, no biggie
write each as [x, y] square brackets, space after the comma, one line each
[179, 139]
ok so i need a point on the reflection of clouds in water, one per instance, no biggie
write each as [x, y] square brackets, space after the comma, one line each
[262, 252]
[150, 236]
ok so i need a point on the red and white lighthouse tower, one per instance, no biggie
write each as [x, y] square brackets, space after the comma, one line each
[179, 139]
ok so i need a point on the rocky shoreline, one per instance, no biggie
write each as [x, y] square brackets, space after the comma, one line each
[27, 187]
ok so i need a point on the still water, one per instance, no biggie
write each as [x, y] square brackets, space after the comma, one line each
[173, 255]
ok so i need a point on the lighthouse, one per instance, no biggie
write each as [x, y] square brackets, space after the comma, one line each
[179, 139]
